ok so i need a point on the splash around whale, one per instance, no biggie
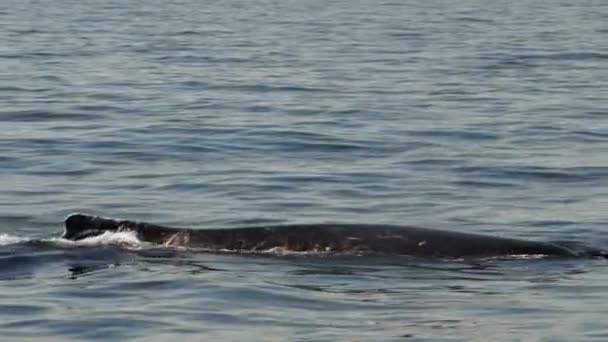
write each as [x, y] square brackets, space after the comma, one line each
[360, 238]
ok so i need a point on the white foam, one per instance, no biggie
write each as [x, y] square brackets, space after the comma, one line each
[126, 239]
[517, 257]
[6, 239]
[282, 251]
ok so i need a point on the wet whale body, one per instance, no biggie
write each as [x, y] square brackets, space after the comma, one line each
[384, 239]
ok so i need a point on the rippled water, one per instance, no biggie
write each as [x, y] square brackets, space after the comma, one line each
[476, 116]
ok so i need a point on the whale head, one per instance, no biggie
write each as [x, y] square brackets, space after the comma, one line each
[80, 226]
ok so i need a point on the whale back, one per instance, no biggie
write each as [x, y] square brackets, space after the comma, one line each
[386, 239]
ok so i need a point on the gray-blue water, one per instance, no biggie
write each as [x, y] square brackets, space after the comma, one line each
[476, 116]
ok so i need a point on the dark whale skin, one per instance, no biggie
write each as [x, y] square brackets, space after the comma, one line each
[385, 239]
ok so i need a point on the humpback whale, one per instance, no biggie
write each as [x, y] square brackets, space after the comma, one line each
[383, 239]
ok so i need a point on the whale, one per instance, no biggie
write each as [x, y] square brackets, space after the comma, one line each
[325, 237]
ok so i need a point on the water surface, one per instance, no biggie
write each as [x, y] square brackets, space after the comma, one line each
[472, 116]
